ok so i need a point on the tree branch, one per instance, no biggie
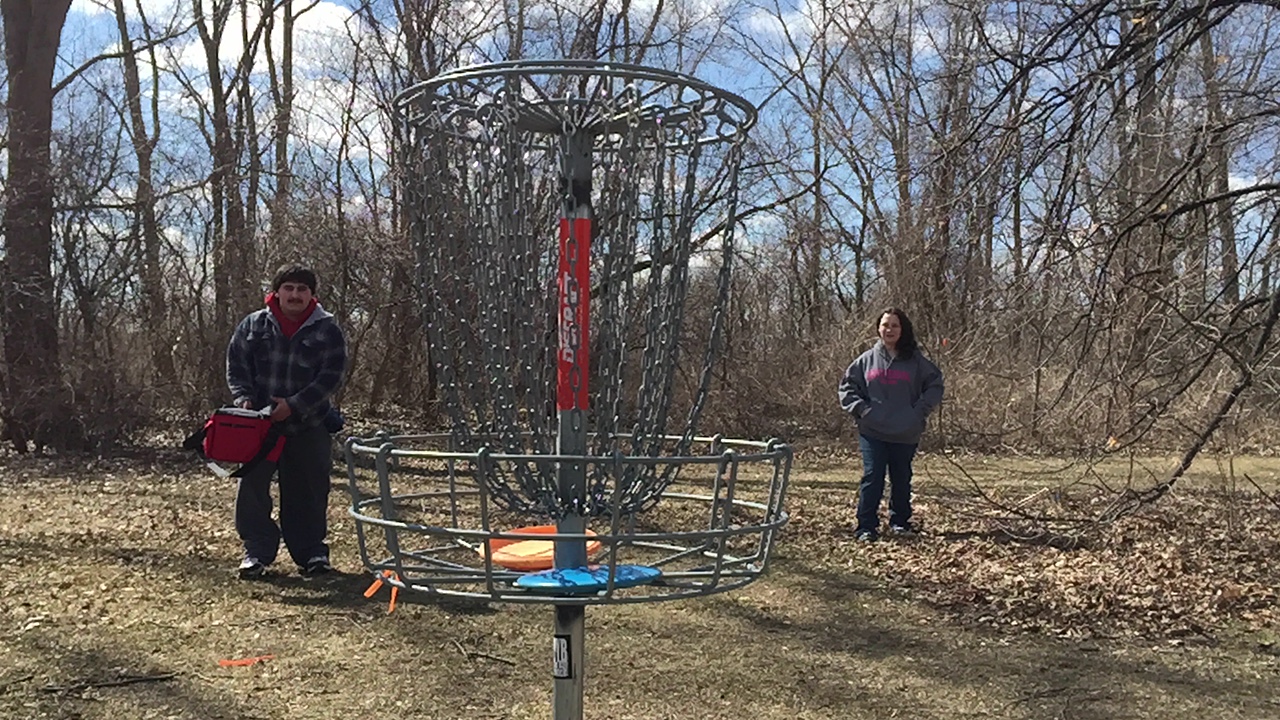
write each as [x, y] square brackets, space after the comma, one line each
[71, 76]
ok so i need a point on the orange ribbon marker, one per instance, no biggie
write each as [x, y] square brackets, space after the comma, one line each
[377, 583]
[245, 662]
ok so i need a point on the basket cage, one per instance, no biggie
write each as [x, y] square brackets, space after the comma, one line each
[492, 162]
[426, 519]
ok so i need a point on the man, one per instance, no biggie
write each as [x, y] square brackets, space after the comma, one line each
[290, 356]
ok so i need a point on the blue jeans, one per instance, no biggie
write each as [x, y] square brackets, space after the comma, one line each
[877, 457]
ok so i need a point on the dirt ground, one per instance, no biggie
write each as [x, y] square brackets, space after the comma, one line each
[118, 600]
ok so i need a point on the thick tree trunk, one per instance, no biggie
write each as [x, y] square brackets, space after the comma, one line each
[37, 408]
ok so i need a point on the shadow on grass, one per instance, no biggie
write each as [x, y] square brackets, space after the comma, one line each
[347, 590]
[73, 669]
[338, 590]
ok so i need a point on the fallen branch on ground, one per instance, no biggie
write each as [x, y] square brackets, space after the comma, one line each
[1269, 497]
[4, 687]
[125, 680]
[468, 654]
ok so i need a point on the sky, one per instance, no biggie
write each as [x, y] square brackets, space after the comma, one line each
[90, 29]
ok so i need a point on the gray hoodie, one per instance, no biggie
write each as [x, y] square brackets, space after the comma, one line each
[891, 397]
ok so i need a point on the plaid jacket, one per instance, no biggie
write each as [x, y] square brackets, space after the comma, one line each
[305, 369]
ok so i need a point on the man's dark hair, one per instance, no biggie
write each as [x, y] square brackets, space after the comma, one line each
[294, 274]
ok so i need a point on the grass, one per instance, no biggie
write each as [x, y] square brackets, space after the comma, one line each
[118, 599]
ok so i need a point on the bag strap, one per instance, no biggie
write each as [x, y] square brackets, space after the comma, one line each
[268, 444]
[195, 441]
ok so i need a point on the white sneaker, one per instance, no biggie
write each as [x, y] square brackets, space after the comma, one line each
[251, 568]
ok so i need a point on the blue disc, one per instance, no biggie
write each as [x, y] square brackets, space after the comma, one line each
[589, 579]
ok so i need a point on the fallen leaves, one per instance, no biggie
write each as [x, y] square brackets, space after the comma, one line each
[1192, 564]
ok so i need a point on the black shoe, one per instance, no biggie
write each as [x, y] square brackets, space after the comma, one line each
[251, 568]
[318, 565]
[904, 529]
[867, 536]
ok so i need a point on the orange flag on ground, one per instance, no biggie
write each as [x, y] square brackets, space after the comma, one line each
[244, 662]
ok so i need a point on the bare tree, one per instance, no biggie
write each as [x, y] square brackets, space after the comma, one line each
[235, 252]
[144, 144]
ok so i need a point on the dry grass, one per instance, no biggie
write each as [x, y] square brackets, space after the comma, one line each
[119, 570]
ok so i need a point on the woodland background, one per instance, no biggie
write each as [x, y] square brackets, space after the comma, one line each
[1077, 203]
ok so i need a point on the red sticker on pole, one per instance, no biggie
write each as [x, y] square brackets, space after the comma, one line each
[575, 292]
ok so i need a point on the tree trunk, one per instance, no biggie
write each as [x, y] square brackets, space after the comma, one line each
[1223, 211]
[282, 95]
[233, 251]
[246, 139]
[145, 211]
[36, 407]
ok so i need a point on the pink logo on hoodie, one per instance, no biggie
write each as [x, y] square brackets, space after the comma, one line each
[888, 376]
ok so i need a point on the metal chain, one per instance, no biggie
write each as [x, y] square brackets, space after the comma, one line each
[481, 164]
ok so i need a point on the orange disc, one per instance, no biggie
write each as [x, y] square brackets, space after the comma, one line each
[528, 555]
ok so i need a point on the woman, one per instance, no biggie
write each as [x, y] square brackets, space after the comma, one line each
[890, 390]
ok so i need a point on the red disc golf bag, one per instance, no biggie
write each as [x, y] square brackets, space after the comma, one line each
[234, 435]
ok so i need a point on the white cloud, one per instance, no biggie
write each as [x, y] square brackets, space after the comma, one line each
[325, 37]
[320, 27]
[87, 7]
[772, 22]
[156, 10]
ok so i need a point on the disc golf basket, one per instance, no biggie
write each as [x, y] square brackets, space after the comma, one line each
[574, 226]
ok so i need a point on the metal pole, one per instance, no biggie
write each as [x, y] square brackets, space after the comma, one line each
[568, 656]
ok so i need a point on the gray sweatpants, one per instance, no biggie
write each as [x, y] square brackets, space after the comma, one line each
[304, 469]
